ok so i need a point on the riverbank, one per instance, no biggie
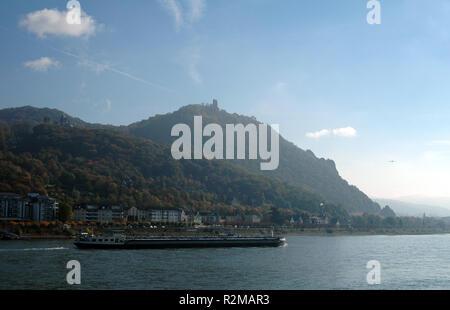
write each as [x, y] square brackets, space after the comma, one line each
[248, 232]
[58, 230]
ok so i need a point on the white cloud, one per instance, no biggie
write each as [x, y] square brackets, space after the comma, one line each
[318, 134]
[341, 132]
[181, 16]
[175, 9]
[42, 64]
[345, 132]
[53, 22]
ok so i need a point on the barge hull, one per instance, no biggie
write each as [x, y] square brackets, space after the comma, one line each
[163, 244]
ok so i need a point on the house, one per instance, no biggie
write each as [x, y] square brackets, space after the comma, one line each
[198, 219]
[232, 219]
[322, 220]
[315, 220]
[210, 218]
[184, 217]
[252, 219]
[134, 214]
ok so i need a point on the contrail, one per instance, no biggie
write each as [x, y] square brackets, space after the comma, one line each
[106, 67]
[125, 74]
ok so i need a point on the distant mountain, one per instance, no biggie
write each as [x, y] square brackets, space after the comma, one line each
[387, 212]
[297, 167]
[432, 201]
[403, 208]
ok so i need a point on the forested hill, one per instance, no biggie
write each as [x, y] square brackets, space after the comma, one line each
[297, 167]
[31, 116]
[105, 167]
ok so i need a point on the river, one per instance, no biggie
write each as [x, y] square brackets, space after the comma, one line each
[307, 262]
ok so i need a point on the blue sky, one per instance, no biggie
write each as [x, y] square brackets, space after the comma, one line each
[309, 66]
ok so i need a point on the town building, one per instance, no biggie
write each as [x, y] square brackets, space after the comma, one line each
[198, 220]
[233, 219]
[134, 214]
[13, 207]
[114, 214]
[252, 219]
[104, 214]
[319, 220]
[43, 208]
[167, 215]
[211, 218]
[33, 207]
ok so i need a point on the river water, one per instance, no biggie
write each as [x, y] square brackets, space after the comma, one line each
[307, 262]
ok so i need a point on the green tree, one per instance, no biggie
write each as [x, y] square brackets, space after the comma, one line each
[65, 212]
[276, 216]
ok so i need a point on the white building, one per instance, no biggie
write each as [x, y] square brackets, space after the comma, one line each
[134, 214]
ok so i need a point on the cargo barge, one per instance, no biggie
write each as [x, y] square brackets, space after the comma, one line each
[121, 242]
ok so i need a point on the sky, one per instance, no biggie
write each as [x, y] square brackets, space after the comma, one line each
[374, 98]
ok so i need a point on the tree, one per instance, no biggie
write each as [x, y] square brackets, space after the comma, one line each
[275, 216]
[65, 212]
